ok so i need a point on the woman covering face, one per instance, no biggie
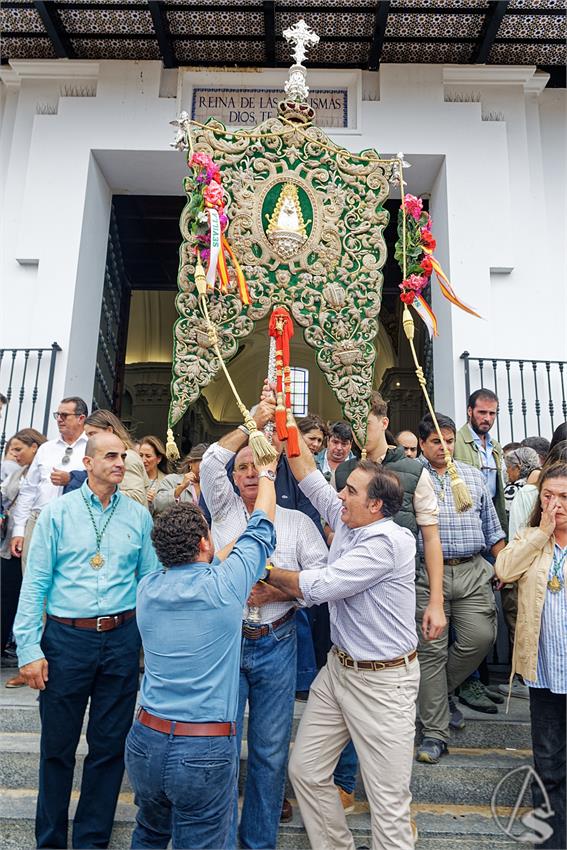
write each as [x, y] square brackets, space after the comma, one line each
[537, 560]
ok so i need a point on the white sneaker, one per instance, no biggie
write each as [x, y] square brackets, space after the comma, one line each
[518, 690]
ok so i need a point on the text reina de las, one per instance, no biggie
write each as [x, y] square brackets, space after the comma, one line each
[258, 107]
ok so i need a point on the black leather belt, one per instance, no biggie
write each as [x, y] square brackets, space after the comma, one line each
[453, 562]
[255, 632]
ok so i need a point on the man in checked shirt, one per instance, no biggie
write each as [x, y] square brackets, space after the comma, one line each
[269, 647]
[467, 589]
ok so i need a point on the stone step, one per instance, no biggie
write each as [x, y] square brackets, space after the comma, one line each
[444, 827]
[19, 713]
[464, 775]
[480, 731]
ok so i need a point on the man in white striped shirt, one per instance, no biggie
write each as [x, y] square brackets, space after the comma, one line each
[368, 689]
[269, 648]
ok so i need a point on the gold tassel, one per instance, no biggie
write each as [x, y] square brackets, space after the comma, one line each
[171, 450]
[200, 277]
[461, 495]
[263, 452]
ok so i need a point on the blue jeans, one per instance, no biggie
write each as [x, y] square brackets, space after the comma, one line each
[267, 683]
[306, 664]
[83, 664]
[184, 788]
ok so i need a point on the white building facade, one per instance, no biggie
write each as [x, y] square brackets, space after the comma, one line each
[486, 144]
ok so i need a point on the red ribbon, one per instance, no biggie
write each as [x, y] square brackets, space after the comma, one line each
[281, 329]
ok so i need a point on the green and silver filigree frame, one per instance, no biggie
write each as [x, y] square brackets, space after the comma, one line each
[332, 283]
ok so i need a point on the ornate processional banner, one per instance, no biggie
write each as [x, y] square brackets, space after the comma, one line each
[289, 223]
[304, 220]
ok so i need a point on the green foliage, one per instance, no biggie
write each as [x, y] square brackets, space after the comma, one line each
[414, 245]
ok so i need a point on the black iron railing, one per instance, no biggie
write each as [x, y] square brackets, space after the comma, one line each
[531, 393]
[26, 380]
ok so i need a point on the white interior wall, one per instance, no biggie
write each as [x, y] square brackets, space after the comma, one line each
[497, 199]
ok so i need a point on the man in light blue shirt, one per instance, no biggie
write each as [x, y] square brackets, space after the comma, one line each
[88, 552]
[181, 753]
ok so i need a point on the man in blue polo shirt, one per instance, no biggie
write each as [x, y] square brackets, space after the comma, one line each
[88, 552]
[181, 752]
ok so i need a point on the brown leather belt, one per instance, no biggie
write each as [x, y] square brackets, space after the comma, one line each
[347, 661]
[255, 632]
[96, 624]
[187, 730]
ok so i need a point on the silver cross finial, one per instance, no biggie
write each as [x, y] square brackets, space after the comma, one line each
[300, 35]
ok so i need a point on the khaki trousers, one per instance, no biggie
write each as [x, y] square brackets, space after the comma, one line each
[377, 710]
[471, 609]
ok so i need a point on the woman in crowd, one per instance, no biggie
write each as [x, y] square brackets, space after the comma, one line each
[152, 452]
[23, 447]
[135, 482]
[314, 430]
[520, 463]
[184, 486]
[8, 464]
[526, 498]
[536, 559]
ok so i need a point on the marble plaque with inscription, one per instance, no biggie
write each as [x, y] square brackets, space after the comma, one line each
[237, 107]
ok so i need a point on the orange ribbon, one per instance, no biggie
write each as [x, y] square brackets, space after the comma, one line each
[240, 279]
[426, 314]
[446, 288]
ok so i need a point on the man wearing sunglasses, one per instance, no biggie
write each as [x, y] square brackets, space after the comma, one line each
[49, 471]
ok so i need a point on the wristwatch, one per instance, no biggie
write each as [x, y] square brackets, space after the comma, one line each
[267, 473]
[265, 577]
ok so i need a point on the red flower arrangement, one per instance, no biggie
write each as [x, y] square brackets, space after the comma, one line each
[414, 232]
[208, 219]
[419, 243]
[204, 186]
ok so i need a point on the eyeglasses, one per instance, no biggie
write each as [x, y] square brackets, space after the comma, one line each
[63, 416]
[67, 456]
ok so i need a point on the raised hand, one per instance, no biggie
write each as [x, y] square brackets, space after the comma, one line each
[264, 412]
[548, 515]
[268, 391]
